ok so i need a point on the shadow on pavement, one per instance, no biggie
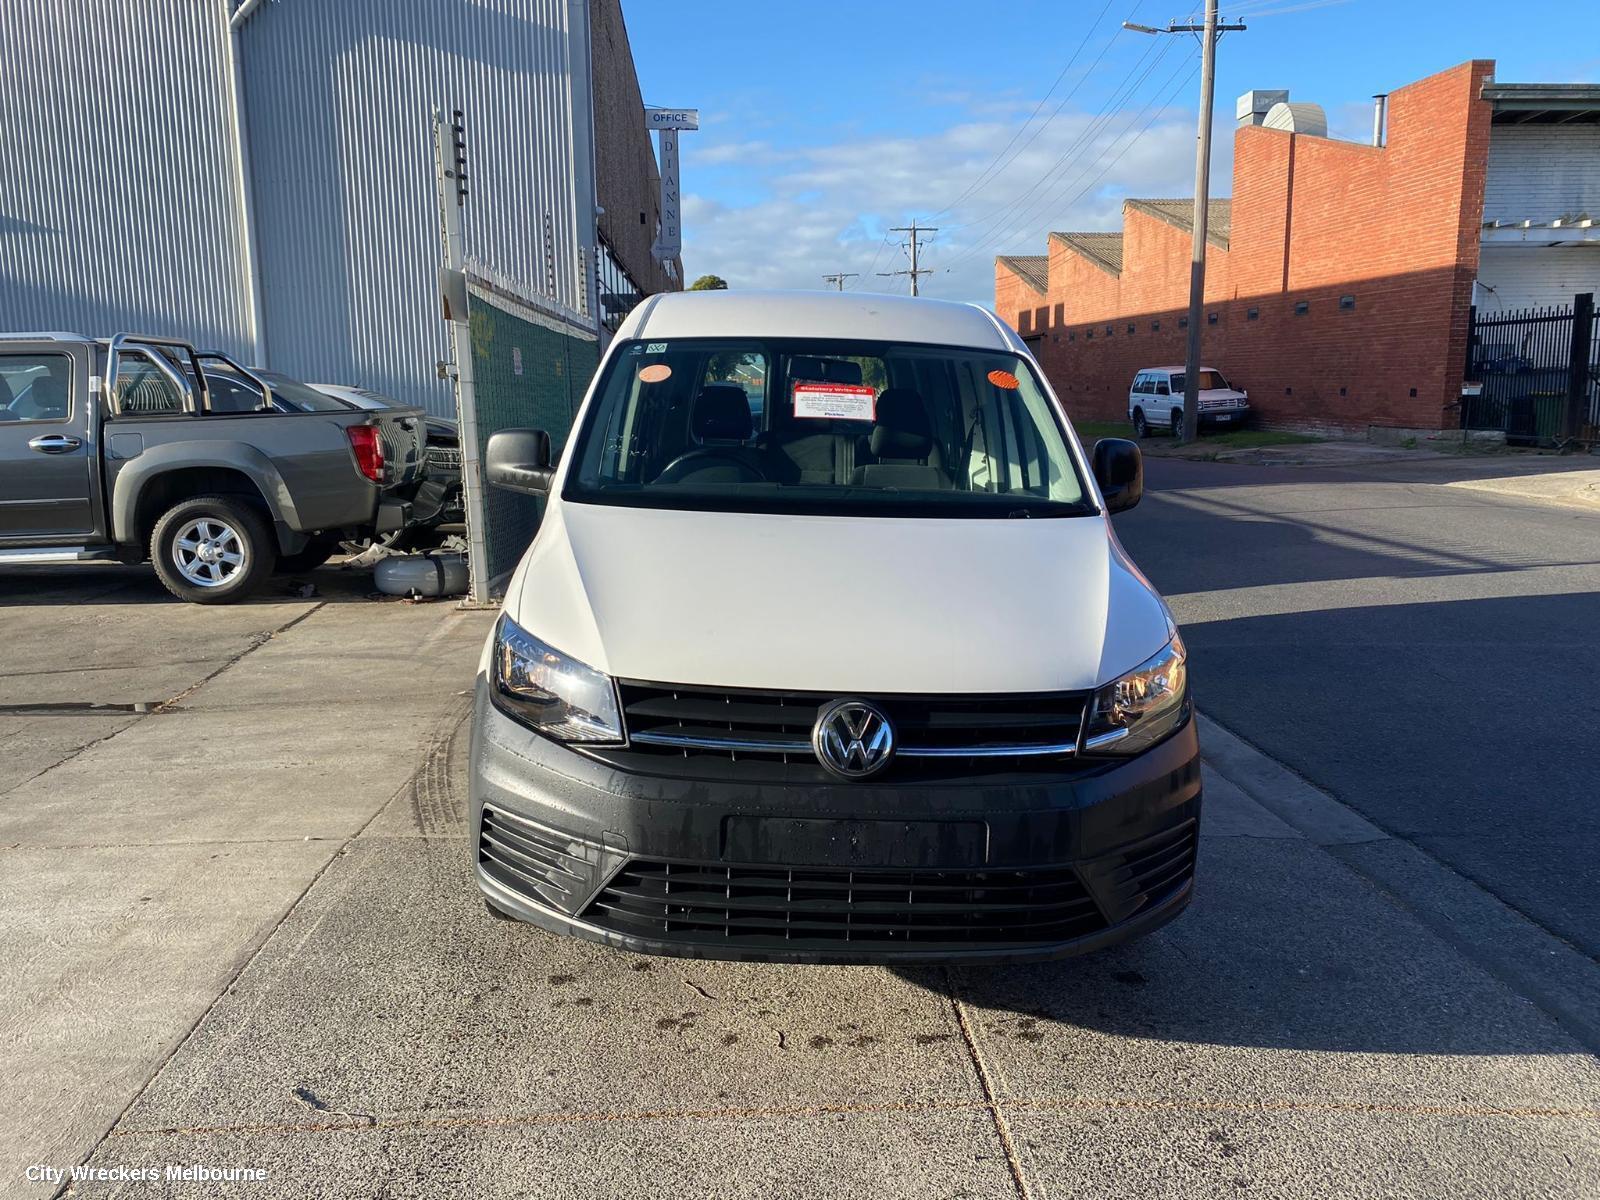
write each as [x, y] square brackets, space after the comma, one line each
[109, 583]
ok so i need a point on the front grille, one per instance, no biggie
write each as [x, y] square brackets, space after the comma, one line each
[443, 460]
[532, 860]
[766, 735]
[776, 907]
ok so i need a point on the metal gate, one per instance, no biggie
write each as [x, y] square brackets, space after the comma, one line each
[1538, 374]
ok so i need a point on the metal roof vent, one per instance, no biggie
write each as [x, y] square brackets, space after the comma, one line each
[1298, 116]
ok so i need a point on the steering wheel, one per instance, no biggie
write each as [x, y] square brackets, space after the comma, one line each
[695, 460]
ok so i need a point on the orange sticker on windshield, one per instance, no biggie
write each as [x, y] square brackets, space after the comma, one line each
[1005, 379]
[655, 373]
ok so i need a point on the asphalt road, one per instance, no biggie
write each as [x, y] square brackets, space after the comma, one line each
[1428, 654]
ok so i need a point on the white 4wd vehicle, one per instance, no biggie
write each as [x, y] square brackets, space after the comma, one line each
[1155, 401]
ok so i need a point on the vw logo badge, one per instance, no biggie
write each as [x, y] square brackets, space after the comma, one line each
[852, 738]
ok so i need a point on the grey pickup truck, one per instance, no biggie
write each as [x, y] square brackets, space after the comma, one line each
[125, 450]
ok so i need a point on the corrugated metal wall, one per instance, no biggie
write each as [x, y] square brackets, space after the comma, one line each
[117, 203]
[116, 187]
[340, 99]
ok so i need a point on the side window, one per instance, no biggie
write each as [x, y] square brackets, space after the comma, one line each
[35, 387]
[229, 392]
[142, 389]
[1141, 382]
[1161, 388]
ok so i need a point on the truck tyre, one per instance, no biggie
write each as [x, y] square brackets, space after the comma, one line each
[317, 551]
[1141, 427]
[212, 549]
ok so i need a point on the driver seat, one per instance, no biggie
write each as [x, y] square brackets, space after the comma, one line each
[721, 423]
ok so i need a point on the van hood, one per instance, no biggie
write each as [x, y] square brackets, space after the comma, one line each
[837, 604]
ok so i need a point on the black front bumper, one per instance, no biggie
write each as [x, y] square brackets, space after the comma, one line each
[996, 870]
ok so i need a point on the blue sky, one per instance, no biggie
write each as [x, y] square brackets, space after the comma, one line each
[825, 122]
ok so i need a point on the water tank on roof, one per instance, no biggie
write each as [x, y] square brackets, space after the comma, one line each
[1298, 116]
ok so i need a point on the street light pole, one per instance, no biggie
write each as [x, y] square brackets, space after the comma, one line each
[1209, 33]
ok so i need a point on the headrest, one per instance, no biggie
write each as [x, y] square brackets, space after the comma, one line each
[722, 413]
[901, 429]
[825, 370]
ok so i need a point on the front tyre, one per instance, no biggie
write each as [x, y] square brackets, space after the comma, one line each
[1141, 427]
[212, 549]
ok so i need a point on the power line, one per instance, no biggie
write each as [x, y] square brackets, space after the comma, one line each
[1020, 209]
[915, 272]
[973, 186]
[1120, 95]
[1059, 199]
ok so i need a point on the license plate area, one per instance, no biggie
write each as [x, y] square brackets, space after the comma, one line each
[847, 843]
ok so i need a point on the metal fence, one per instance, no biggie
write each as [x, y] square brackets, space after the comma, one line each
[1537, 371]
[530, 369]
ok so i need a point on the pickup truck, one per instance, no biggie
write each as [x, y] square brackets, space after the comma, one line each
[113, 450]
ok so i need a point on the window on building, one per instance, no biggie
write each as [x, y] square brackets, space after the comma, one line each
[1130, 327]
[1183, 322]
[1155, 326]
[1211, 318]
[1347, 302]
[1251, 314]
[619, 294]
[1302, 307]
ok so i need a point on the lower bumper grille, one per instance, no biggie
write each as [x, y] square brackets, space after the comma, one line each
[533, 861]
[814, 908]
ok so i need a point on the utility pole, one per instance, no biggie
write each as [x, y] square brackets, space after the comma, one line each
[1209, 33]
[838, 279]
[915, 272]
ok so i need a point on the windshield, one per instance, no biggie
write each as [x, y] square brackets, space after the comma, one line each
[792, 425]
[1209, 381]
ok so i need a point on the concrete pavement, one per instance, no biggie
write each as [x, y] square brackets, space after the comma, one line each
[240, 932]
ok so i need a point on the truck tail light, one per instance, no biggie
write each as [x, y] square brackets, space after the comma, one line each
[368, 450]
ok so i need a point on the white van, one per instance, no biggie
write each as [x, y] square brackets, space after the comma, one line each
[1155, 401]
[869, 678]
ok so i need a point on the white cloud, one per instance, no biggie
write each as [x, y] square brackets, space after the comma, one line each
[809, 211]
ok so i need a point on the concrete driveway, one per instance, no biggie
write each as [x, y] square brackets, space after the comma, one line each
[238, 932]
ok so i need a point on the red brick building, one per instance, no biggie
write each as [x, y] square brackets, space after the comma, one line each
[1340, 275]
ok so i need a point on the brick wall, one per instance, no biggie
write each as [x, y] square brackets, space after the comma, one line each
[1392, 233]
[627, 180]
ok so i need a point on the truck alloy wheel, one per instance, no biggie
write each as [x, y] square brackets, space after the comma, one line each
[212, 549]
[208, 552]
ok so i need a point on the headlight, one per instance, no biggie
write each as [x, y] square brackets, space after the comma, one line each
[547, 691]
[1136, 711]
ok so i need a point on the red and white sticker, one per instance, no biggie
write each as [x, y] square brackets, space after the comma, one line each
[835, 401]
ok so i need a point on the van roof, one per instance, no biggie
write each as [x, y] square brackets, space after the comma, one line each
[818, 314]
[1181, 367]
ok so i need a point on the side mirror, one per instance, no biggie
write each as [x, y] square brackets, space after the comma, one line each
[1119, 470]
[519, 461]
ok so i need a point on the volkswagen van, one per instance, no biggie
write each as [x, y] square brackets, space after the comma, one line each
[826, 650]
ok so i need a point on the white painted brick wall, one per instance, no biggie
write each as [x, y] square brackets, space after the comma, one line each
[1541, 172]
[1524, 276]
